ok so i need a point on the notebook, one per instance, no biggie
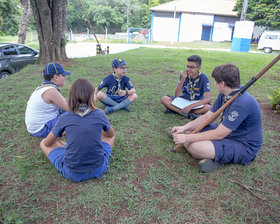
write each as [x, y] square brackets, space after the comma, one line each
[181, 103]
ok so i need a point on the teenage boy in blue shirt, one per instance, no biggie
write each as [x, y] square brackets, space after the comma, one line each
[117, 97]
[192, 86]
[238, 137]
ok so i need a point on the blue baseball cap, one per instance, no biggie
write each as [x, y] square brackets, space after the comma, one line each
[118, 62]
[55, 69]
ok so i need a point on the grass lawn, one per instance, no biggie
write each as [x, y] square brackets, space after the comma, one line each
[145, 183]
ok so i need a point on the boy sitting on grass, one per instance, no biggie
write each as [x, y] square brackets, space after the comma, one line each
[117, 97]
[238, 136]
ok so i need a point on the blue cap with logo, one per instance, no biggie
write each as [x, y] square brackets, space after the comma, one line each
[55, 69]
[118, 62]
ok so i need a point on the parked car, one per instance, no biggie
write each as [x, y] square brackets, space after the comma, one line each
[269, 41]
[14, 57]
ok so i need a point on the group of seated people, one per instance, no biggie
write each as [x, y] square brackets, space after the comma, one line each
[90, 137]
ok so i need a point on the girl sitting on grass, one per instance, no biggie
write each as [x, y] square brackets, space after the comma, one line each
[90, 137]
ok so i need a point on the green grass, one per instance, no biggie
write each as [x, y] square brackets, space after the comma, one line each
[145, 182]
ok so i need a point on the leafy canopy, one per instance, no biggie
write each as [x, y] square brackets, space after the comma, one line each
[262, 12]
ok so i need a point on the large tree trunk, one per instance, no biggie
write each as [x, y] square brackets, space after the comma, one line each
[50, 19]
[24, 21]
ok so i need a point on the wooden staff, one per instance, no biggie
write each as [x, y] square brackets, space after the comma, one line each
[241, 91]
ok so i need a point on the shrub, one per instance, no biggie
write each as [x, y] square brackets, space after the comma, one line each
[275, 99]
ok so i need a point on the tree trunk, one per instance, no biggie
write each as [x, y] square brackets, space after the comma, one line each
[50, 20]
[24, 21]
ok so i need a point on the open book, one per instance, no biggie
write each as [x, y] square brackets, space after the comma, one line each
[181, 103]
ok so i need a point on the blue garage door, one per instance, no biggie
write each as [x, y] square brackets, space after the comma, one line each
[206, 32]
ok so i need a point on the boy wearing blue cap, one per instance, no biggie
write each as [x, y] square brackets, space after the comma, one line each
[46, 103]
[117, 97]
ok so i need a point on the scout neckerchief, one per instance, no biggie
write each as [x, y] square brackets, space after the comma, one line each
[227, 98]
[119, 84]
[83, 110]
[192, 86]
[46, 83]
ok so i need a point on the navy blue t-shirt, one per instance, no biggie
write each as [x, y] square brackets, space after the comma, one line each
[84, 150]
[243, 117]
[113, 84]
[201, 87]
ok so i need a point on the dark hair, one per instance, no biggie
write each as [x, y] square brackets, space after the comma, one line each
[196, 59]
[48, 77]
[228, 73]
[81, 92]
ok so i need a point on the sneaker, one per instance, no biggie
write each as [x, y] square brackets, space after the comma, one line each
[126, 108]
[183, 114]
[209, 165]
[109, 110]
[193, 116]
[167, 111]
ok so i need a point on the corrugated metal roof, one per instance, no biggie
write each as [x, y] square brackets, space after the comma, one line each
[214, 7]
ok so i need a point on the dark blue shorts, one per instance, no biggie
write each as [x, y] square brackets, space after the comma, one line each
[116, 98]
[56, 157]
[43, 133]
[230, 151]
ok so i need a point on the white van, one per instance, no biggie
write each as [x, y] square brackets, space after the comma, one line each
[269, 41]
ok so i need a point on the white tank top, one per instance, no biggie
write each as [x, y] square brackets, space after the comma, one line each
[38, 113]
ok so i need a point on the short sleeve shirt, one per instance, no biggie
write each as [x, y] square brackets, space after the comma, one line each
[113, 84]
[243, 117]
[201, 86]
[84, 150]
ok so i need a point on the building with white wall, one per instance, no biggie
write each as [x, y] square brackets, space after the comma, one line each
[192, 20]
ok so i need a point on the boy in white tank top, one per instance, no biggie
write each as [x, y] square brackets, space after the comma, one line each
[46, 103]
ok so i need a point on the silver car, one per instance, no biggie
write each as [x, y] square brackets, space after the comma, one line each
[14, 57]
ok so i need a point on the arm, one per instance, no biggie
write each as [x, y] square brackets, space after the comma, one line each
[53, 96]
[129, 92]
[190, 126]
[178, 89]
[110, 133]
[219, 133]
[49, 140]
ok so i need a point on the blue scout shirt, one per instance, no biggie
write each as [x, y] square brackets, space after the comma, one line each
[114, 85]
[194, 89]
[243, 117]
[84, 150]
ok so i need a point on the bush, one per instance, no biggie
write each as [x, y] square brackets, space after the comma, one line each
[275, 99]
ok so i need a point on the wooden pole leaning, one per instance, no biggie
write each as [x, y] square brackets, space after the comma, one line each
[89, 23]
[241, 91]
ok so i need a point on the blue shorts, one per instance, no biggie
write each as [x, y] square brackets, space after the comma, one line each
[56, 157]
[43, 133]
[228, 150]
[116, 98]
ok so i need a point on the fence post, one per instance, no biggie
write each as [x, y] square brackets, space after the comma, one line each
[97, 49]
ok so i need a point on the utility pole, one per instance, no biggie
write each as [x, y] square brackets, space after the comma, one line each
[244, 10]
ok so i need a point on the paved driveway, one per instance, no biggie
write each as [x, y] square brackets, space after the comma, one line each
[88, 49]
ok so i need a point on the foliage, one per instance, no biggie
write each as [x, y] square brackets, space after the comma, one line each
[113, 14]
[275, 99]
[10, 12]
[262, 12]
[145, 183]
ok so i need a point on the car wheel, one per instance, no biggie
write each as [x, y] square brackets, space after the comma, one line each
[267, 50]
[4, 74]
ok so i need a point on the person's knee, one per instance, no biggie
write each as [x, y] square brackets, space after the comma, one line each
[165, 100]
[133, 97]
[100, 95]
